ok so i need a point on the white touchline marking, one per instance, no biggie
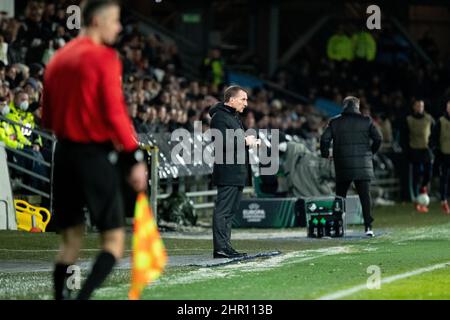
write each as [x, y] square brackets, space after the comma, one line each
[228, 271]
[232, 270]
[347, 292]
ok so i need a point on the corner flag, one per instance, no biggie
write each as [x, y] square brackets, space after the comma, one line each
[149, 255]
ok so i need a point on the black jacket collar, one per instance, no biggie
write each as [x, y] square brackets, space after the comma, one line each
[351, 110]
[223, 107]
[229, 109]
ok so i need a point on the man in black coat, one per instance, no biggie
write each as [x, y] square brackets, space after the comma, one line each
[230, 172]
[355, 141]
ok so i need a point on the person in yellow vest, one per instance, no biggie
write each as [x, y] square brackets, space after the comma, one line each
[441, 144]
[340, 47]
[32, 142]
[214, 68]
[8, 132]
[20, 113]
[416, 142]
[364, 46]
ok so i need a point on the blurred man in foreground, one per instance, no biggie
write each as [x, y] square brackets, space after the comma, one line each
[97, 151]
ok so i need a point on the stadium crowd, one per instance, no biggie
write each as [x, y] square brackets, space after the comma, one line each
[381, 70]
[159, 97]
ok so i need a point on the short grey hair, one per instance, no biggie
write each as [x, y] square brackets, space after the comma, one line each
[351, 101]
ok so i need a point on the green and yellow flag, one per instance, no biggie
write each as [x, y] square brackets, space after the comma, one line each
[149, 255]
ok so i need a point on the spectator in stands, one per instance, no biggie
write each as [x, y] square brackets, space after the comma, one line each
[49, 15]
[33, 88]
[429, 45]
[171, 59]
[37, 73]
[151, 46]
[152, 89]
[61, 37]
[141, 122]
[2, 72]
[10, 29]
[340, 46]
[21, 113]
[191, 116]
[250, 122]
[11, 76]
[49, 51]
[365, 47]
[20, 136]
[194, 91]
[60, 17]
[34, 32]
[214, 68]
[10, 134]
[133, 113]
[3, 50]
[163, 119]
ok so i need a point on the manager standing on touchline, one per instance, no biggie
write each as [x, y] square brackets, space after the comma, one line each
[97, 159]
[230, 178]
[355, 141]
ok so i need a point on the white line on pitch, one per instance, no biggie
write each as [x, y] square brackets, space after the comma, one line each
[347, 292]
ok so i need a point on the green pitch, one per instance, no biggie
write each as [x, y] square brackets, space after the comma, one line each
[411, 256]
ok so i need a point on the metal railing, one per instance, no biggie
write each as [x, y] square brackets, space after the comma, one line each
[18, 167]
[388, 184]
[205, 193]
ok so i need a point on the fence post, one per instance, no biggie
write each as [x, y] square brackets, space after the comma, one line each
[154, 180]
[54, 142]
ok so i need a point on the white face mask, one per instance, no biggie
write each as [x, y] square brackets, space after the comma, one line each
[24, 105]
[5, 110]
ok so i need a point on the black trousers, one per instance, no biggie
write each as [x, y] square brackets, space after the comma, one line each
[444, 178]
[422, 168]
[363, 190]
[227, 204]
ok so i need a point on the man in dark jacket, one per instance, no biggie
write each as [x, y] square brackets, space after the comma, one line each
[230, 172]
[355, 141]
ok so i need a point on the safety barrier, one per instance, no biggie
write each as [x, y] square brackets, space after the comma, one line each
[46, 193]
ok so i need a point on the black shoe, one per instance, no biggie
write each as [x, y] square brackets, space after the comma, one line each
[237, 252]
[226, 254]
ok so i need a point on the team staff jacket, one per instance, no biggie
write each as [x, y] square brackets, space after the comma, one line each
[83, 100]
[233, 174]
[12, 136]
[27, 124]
[416, 131]
[440, 139]
[355, 140]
